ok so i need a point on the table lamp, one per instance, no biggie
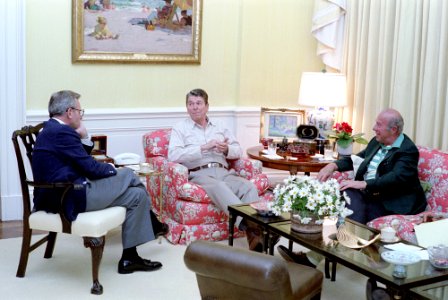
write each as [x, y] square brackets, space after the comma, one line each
[322, 90]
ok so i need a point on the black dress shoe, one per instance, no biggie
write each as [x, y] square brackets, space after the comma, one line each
[126, 266]
[162, 230]
[159, 228]
[298, 257]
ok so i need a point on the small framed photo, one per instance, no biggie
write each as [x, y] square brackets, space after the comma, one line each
[280, 123]
[150, 31]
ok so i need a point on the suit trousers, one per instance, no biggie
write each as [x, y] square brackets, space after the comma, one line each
[124, 189]
[365, 207]
[225, 187]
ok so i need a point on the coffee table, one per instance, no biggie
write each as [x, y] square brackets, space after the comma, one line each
[247, 212]
[306, 164]
[435, 291]
[366, 261]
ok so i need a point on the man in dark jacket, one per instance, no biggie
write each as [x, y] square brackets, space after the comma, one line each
[385, 183]
[387, 180]
[61, 154]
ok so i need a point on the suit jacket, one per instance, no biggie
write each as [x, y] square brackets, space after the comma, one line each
[396, 183]
[59, 156]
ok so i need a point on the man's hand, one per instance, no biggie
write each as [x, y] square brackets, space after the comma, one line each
[222, 147]
[352, 184]
[214, 145]
[326, 172]
[209, 146]
[82, 131]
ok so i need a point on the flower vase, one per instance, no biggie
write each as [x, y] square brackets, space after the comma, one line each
[305, 221]
[345, 151]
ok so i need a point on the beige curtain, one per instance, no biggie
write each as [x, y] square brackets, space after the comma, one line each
[396, 56]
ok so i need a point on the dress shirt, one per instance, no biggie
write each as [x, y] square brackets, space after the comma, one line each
[186, 140]
[380, 155]
[85, 141]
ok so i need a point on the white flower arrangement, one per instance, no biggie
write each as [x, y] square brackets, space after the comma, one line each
[305, 193]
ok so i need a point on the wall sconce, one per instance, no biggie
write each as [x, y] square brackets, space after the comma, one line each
[322, 90]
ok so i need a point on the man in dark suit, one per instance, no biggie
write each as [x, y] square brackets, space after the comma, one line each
[386, 181]
[61, 154]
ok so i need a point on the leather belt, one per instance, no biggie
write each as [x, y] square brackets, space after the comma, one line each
[209, 165]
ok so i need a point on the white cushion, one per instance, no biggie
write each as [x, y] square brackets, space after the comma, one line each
[92, 223]
[356, 163]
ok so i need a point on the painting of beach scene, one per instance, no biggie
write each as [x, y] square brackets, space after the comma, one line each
[159, 31]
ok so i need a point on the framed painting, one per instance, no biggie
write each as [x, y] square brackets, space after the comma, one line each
[279, 123]
[143, 31]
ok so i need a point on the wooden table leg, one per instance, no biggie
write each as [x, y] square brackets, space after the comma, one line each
[231, 228]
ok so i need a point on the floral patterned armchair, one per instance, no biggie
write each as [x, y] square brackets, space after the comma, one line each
[187, 209]
[433, 173]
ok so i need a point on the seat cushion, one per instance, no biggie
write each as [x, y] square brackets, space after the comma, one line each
[92, 223]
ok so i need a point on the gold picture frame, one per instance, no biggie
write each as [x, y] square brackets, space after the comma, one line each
[280, 122]
[136, 34]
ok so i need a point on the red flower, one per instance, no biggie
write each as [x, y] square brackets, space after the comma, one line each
[343, 135]
[343, 127]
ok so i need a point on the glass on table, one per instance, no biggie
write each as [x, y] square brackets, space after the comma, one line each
[272, 148]
[328, 151]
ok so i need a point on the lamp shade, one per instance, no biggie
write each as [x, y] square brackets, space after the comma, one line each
[323, 89]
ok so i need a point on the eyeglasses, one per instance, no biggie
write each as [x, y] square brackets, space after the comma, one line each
[81, 111]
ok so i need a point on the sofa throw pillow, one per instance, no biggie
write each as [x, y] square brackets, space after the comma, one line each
[356, 162]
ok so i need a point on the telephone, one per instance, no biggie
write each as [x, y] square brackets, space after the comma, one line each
[127, 159]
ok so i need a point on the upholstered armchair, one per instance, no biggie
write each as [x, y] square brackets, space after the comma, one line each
[186, 207]
[433, 174]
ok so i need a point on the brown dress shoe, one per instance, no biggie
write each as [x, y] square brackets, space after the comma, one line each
[254, 236]
[297, 257]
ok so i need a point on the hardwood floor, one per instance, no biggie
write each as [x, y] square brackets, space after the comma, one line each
[10, 229]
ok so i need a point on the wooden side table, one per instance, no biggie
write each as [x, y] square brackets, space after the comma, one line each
[149, 176]
[306, 165]
[99, 151]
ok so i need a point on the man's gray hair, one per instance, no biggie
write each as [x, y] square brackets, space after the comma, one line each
[395, 120]
[61, 101]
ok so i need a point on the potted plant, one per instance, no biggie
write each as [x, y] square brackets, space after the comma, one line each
[343, 133]
[309, 202]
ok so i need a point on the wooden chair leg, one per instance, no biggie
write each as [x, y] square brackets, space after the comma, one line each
[50, 244]
[96, 246]
[26, 243]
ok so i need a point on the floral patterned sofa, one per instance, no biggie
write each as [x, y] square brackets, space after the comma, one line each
[433, 173]
[187, 209]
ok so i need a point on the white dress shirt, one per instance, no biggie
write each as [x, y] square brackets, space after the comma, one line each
[186, 140]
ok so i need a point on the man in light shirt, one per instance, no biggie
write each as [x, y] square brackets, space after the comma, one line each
[203, 146]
